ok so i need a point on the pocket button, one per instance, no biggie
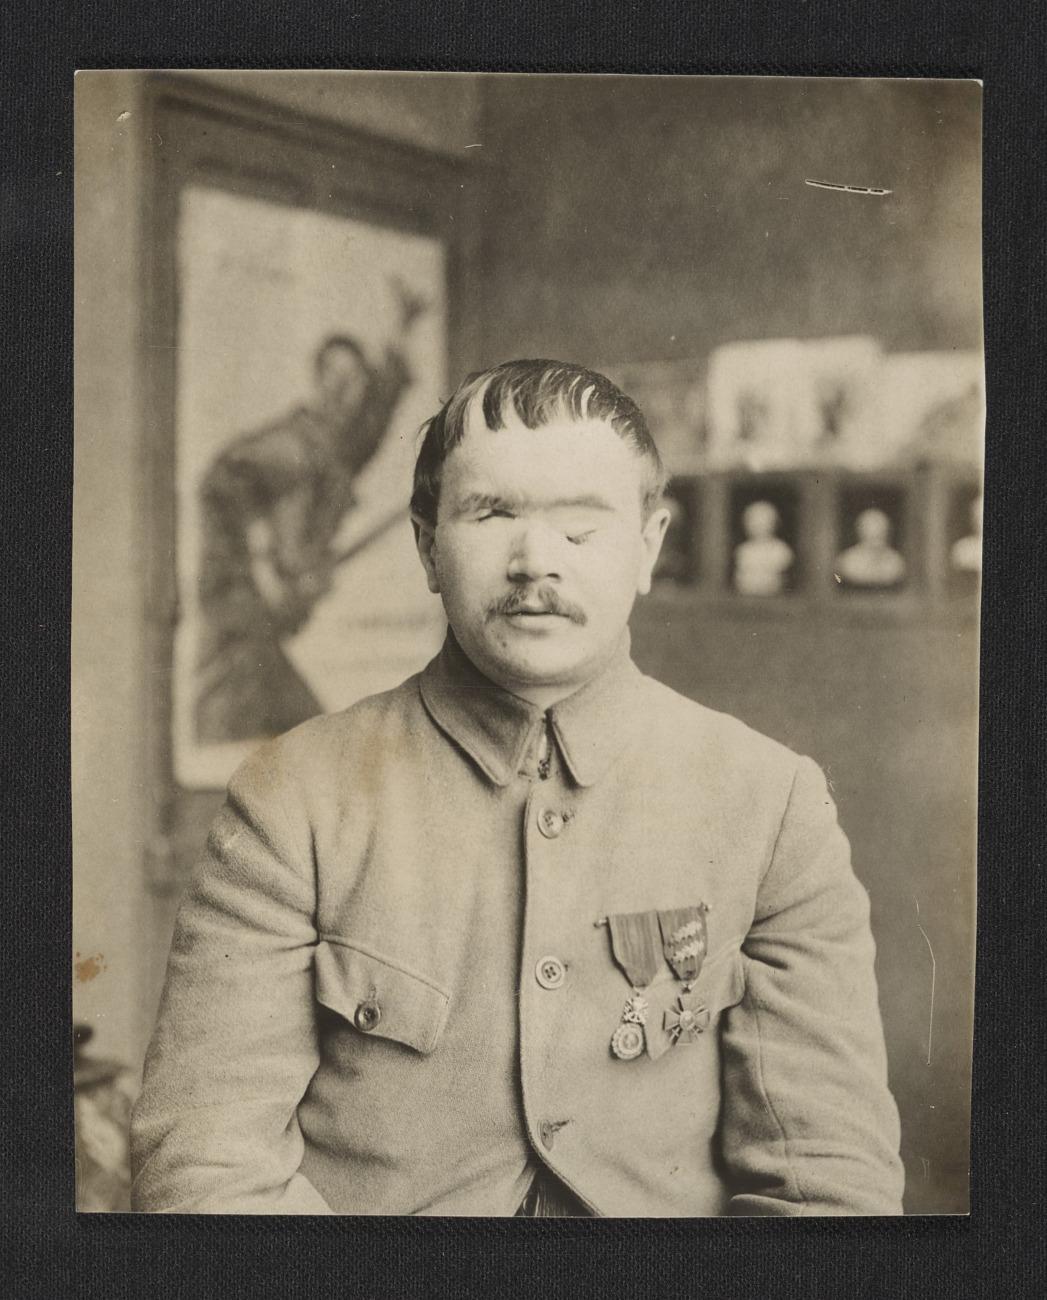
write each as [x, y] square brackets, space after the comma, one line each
[368, 1015]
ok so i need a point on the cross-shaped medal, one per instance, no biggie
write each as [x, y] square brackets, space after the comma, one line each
[686, 1020]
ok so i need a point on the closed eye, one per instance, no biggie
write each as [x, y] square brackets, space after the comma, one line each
[495, 514]
[579, 539]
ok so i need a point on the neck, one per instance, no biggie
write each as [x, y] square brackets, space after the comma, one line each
[544, 695]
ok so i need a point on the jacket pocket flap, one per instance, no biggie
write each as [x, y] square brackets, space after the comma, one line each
[721, 983]
[379, 998]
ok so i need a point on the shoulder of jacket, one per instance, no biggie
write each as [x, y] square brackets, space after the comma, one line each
[392, 708]
[314, 747]
[679, 724]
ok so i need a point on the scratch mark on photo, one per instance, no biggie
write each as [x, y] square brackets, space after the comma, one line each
[846, 189]
[934, 971]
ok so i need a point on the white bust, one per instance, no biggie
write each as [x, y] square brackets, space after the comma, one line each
[966, 554]
[763, 559]
[872, 561]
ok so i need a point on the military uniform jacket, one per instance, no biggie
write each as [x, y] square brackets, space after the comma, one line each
[390, 990]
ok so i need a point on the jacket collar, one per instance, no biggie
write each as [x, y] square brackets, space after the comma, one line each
[496, 727]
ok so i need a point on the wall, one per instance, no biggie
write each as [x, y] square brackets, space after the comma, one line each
[110, 804]
[635, 219]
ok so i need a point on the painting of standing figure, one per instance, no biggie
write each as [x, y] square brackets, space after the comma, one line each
[272, 504]
[307, 344]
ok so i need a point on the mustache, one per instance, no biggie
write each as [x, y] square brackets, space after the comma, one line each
[544, 600]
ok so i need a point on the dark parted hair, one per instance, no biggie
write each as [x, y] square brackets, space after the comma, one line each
[539, 392]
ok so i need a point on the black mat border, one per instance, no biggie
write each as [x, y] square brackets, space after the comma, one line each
[47, 1250]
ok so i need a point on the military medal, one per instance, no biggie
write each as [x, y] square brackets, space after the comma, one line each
[637, 946]
[684, 1022]
[635, 1012]
[627, 1041]
[685, 941]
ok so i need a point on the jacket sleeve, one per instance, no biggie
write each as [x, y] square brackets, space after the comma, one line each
[809, 1126]
[215, 1129]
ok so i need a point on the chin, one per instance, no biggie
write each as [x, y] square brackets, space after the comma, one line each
[536, 668]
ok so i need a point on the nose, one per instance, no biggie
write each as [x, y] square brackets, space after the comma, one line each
[535, 554]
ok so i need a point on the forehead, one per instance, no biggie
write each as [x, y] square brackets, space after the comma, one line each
[565, 458]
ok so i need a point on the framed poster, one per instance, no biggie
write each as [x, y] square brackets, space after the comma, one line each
[304, 311]
[312, 348]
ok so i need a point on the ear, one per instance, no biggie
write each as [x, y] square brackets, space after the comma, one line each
[425, 540]
[653, 536]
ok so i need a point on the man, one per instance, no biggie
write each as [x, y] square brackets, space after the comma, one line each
[530, 933]
[272, 504]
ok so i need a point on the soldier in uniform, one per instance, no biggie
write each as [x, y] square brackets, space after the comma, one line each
[272, 503]
[531, 933]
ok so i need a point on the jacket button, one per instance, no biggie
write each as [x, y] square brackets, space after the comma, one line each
[550, 972]
[550, 823]
[368, 1015]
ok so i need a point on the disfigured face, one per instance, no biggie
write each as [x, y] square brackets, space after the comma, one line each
[540, 549]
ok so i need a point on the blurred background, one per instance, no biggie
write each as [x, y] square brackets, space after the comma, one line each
[786, 274]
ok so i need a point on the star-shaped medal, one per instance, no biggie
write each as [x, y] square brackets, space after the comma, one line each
[686, 1020]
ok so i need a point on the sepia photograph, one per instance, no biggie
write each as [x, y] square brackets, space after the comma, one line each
[525, 640]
